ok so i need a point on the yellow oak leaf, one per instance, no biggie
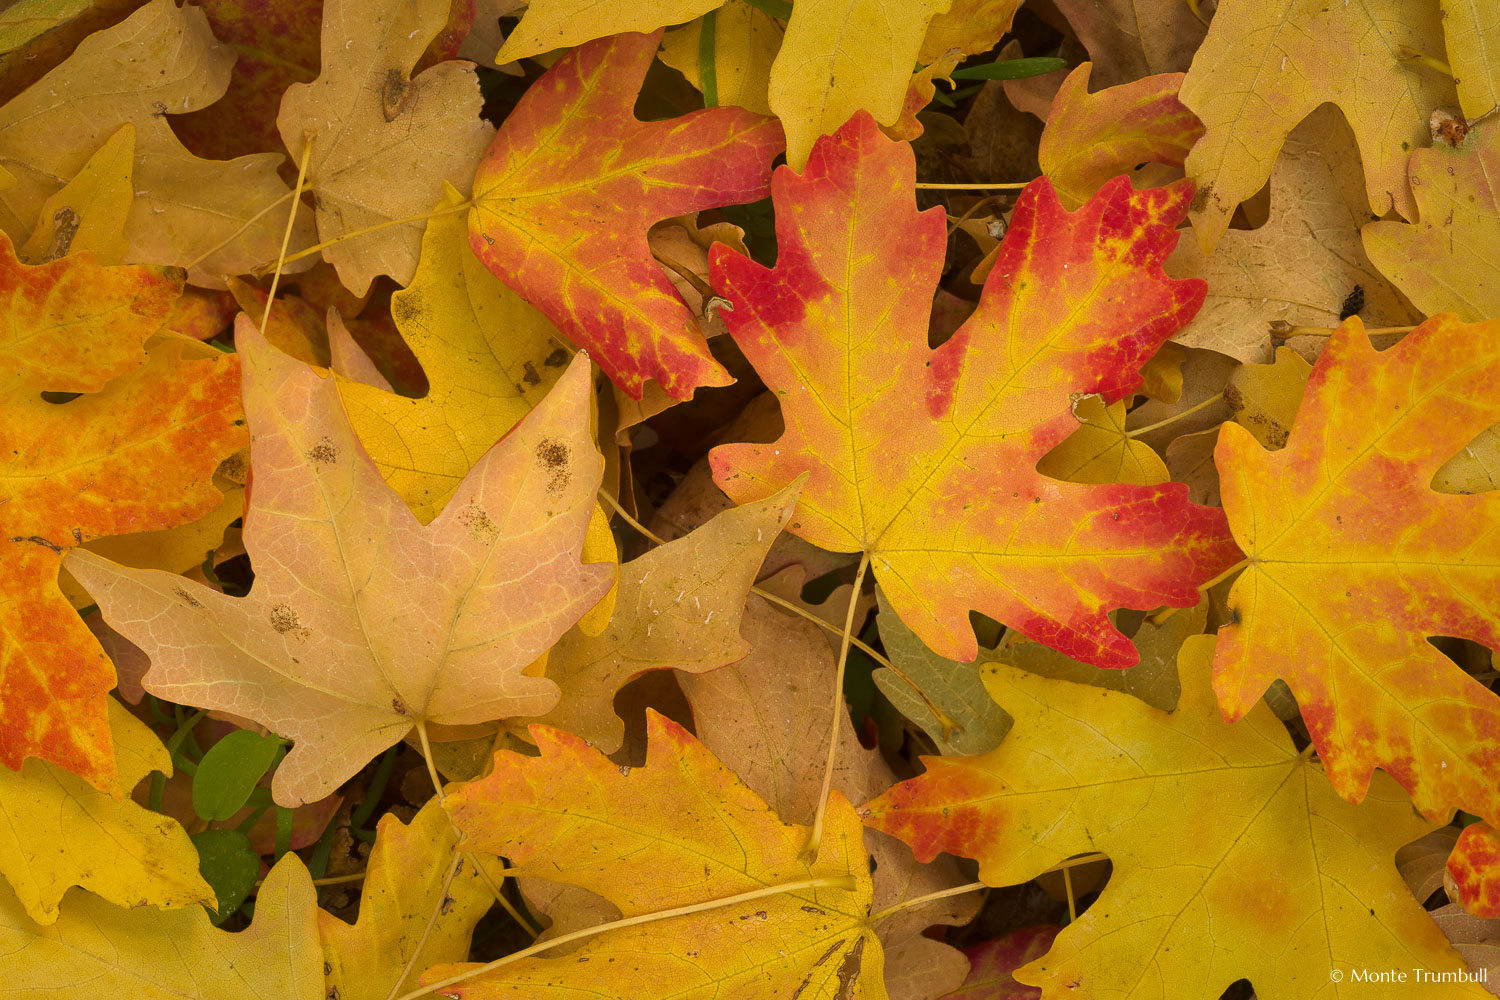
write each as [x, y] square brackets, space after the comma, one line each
[1472, 28]
[563, 24]
[362, 623]
[61, 832]
[746, 40]
[1266, 64]
[403, 887]
[1280, 881]
[383, 142]
[573, 816]
[210, 216]
[98, 949]
[489, 358]
[843, 56]
[89, 213]
[679, 606]
[970, 26]
[1355, 561]
[1448, 260]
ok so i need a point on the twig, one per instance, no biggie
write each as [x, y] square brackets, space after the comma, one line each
[815, 839]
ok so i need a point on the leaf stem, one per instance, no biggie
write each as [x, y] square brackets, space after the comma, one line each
[815, 840]
[232, 236]
[796, 609]
[915, 901]
[286, 236]
[1012, 186]
[376, 227]
[1205, 404]
[845, 882]
[411, 960]
[1282, 330]
[1203, 588]
[1067, 874]
[1196, 8]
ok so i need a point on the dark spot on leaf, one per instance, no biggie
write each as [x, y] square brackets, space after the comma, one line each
[554, 456]
[64, 228]
[324, 452]
[400, 709]
[447, 906]
[531, 376]
[395, 94]
[284, 618]
[38, 540]
[481, 528]
[1353, 303]
[1200, 199]
[556, 359]
[187, 598]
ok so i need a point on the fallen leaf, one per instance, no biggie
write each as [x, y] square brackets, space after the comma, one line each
[212, 217]
[679, 606]
[961, 427]
[1421, 862]
[383, 142]
[1266, 64]
[565, 24]
[489, 358]
[1341, 592]
[746, 40]
[1264, 398]
[1447, 261]
[1471, 26]
[970, 26]
[135, 453]
[1478, 941]
[536, 221]
[60, 832]
[403, 887]
[1090, 138]
[1101, 450]
[927, 684]
[1131, 39]
[1304, 265]
[683, 812]
[844, 56]
[150, 954]
[362, 623]
[992, 962]
[1472, 879]
[89, 212]
[1281, 882]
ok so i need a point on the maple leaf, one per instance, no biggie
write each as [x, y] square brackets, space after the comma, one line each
[560, 24]
[90, 212]
[745, 42]
[573, 816]
[1266, 64]
[1090, 138]
[362, 623]
[679, 606]
[1302, 267]
[404, 884]
[150, 954]
[60, 832]
[383, 142]
[489, 358]
[208, 215]
[970, 26]
[136, 452]
[573, 146]
[1447, 262]
[779, 750]
[926, 458]
[1354, 561]
[1281, 882]
[1473, 871]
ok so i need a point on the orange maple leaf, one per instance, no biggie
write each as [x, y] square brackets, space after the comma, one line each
[1355, 561]
[136, 452]
[926, 459]
[572, 182]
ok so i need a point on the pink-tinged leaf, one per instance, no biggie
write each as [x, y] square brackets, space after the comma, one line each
[1473, 871]
[992, 962]
[571, 184]
[926, 459]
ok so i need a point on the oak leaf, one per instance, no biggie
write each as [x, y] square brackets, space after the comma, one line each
[1354, 561]
[1446, 260]
[60, 832]
[147, 954]
[573, 816]
[362, 623]
[1281, 882]
[383, 142]
[970, 26]
[573, 181]
[1266, 64]
[404, 885]
[925, 459]
[210, 216]
[489, 358]
[679, 606]
[136, 452]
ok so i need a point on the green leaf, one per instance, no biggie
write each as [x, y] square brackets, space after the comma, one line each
[230, 771]
[227, 862]
[1010, 69]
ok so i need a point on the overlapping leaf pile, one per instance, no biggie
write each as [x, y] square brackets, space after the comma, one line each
[697, 498]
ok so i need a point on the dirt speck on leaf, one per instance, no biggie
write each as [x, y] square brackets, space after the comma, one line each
[187, 598]
[554, 456]
[324, 452]
[481, 528]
